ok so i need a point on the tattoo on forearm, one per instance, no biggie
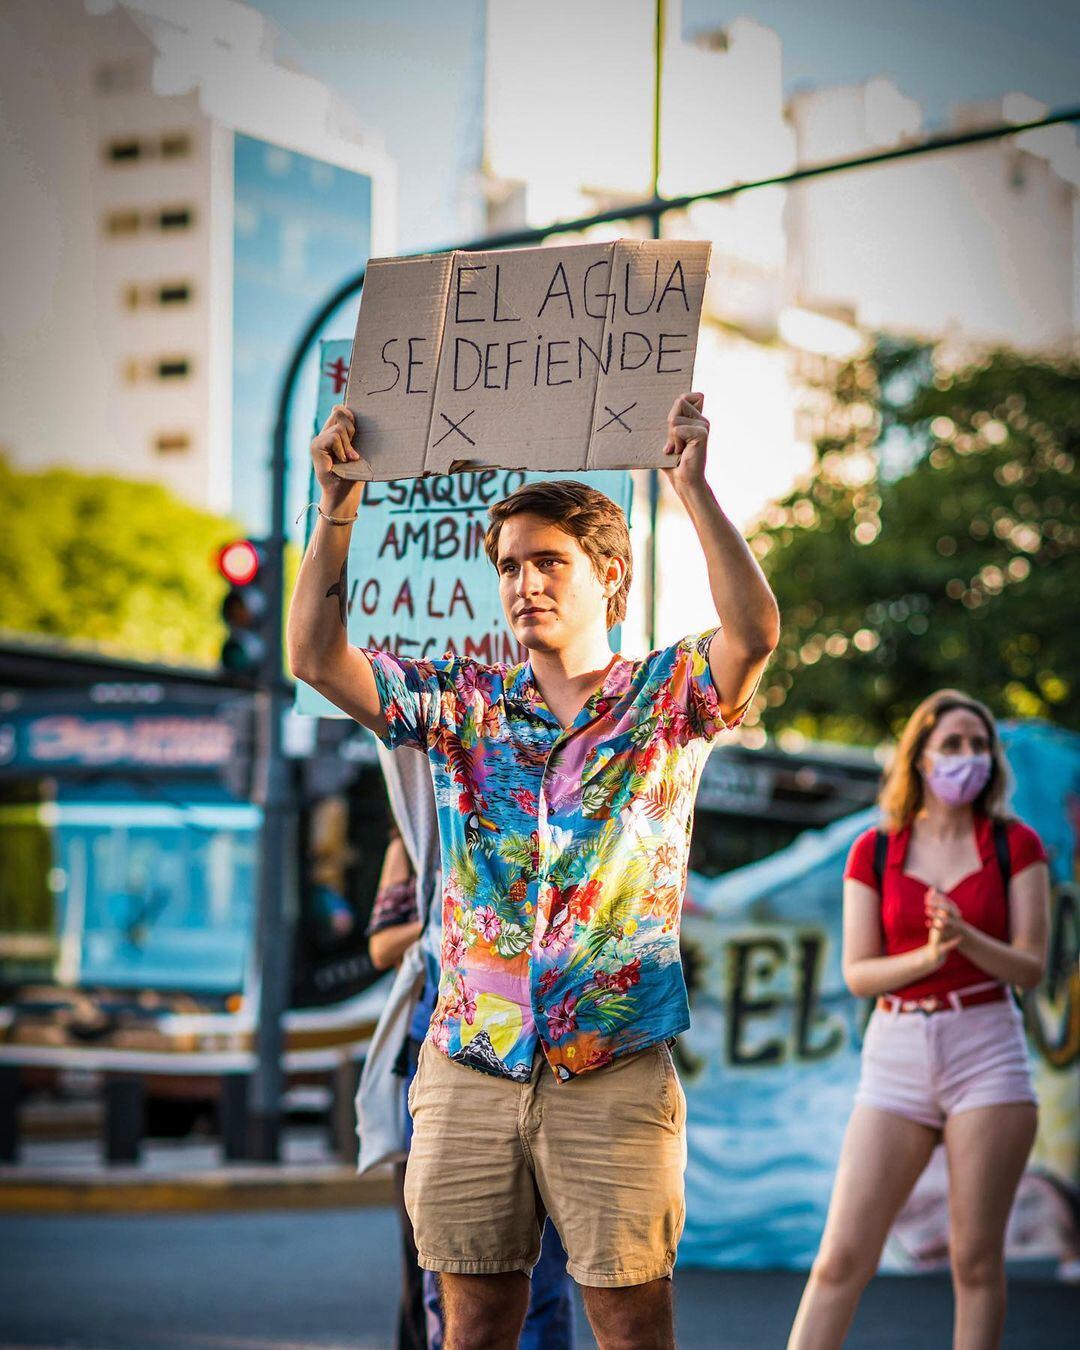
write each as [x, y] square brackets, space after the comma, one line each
[340, 588]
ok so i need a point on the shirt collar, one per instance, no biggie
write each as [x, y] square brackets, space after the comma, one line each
[613, 686]
[521, 686]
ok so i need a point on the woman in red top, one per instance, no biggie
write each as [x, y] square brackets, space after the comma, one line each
[937, 939]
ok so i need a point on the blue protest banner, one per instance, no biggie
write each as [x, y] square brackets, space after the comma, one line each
[771, 1060]
[420, 583]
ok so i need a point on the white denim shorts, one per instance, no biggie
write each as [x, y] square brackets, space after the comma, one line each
[930, 1067]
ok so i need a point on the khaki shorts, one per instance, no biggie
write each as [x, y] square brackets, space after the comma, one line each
[603, 1154]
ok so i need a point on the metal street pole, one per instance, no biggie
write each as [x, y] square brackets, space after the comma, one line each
[273, 936]
[653, 569]
[658, 92]
[275, 789]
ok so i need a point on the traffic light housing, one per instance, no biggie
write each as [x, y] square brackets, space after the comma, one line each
[246, 608]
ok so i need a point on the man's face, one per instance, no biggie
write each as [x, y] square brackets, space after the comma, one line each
[550, 592]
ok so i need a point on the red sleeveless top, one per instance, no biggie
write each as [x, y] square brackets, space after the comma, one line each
[980, 898]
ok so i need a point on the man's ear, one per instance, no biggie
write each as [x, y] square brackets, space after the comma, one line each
[613, 575]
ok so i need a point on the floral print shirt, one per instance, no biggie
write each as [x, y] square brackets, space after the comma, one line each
[564, 851]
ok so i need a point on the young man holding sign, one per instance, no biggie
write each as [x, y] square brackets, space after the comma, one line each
[565, 788]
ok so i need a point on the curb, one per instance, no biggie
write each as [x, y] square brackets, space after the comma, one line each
[238, 1188]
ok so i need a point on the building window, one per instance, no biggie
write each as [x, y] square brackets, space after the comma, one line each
[175, 218]
[164, 368]
[172, 442]
[168, 218]
[122, 222]
[124, 152]
[129, 149]
[175, 145]
[167, 295]
[116, 77]
[174, 293]
[173, 368]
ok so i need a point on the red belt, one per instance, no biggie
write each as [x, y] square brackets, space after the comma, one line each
[935, 1003]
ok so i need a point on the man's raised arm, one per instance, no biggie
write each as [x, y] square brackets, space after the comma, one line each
[743, 598]
[317, 632]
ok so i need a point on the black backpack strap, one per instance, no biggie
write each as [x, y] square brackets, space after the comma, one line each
[1001, 848]
[881, 853]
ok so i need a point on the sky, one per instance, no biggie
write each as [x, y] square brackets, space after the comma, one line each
[939, 53]
[413, 69]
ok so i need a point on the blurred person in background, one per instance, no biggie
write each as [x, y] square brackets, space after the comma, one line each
[394, 926]
[945, 908]
[331, 856]
[549, 1324]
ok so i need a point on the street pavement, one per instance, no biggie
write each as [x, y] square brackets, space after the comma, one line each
[328, 1280]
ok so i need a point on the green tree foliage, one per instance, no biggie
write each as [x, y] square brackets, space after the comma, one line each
[125, 567]
[935, 545]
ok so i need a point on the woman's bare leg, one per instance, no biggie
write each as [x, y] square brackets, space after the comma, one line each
[882, 1158]
[987, 1149]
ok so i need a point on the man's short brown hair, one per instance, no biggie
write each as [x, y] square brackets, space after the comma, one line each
[595, 521]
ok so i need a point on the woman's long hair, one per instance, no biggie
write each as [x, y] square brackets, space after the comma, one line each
[901, 795]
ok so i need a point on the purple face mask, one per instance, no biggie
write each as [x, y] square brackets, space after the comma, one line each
[958, 779]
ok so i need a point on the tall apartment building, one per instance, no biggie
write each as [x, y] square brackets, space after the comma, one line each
[980, 243]
[176, 203]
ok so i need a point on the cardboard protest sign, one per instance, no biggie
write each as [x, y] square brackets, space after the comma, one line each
[552, 359]
[420, 583]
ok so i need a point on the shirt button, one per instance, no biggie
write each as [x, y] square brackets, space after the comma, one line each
[540, 1008]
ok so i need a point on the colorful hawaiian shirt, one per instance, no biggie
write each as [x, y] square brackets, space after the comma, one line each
[564, 851]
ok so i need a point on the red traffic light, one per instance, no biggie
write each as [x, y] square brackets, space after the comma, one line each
[239, 562]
